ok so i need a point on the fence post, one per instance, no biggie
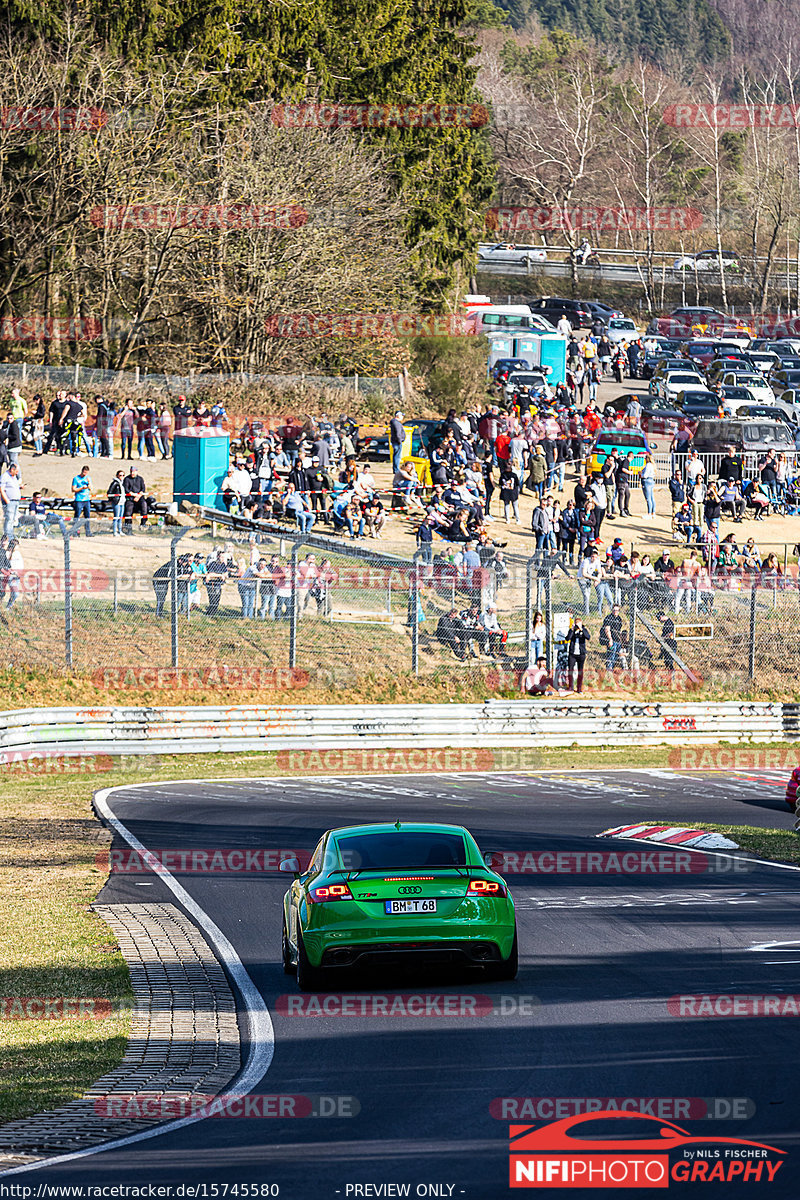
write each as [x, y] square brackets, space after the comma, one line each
[752, 655]
[548, 618]
[173, 602]
[67, 595]
[293, 613]
[173, 607]
[528, 612]
[115, 592]
[414, 599]
[634, 616]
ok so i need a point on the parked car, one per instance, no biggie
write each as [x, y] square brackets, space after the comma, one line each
[698, 402]
[554, 307]
[701, 351]
[655, 366]
[731, 395]
[699, 320]
[727, 362]
[533, 383]
[783, 347]
[714, 436]
[506, 252]
[624, 441]
[658, 416]
[769, 412]
[622, 329]
[503, 365]
[669, 385]
[497, 318]
[764, 361]
[756, 385]
[779, 381]
[602, 310]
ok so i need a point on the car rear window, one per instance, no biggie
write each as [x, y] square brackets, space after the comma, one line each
[634, 440]
[767, 434]
[401, 850]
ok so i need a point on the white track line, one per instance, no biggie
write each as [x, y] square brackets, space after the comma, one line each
[261, 1034]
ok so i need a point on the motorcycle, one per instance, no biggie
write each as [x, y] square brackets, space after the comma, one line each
[576, 256]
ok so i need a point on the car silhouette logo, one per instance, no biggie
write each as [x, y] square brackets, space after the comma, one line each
[553, 1155]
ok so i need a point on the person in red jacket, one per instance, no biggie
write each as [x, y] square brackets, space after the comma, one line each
[791, 789]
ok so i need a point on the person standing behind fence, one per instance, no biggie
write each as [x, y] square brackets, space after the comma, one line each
[164, 431]
[577, 639]
[82, 502]
[509, 493]
[622, 479]
[647, 475]
[397, 436]
[161, 581]
[126, 423]
[247, 584]
[10, 495]
[135, 500]
[116, 495]
[59, 408]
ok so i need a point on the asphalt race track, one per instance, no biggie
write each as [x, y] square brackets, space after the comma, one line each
[588, 1016]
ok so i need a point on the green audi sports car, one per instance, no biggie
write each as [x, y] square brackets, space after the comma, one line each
[384, 894]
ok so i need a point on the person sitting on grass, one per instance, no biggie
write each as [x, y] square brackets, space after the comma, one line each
[536, 682]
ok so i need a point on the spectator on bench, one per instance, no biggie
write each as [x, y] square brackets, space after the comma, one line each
[451, 633]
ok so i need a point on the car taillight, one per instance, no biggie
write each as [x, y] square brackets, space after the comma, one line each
[485, 887]
[334, 891]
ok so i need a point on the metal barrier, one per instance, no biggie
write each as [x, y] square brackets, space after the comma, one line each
[494, 724]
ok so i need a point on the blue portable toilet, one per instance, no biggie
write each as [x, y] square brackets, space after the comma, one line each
[200, 458]
[553, 354]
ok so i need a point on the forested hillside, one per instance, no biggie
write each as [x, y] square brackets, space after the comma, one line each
[686, 32]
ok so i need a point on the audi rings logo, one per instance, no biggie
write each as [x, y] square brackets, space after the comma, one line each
[408, 891]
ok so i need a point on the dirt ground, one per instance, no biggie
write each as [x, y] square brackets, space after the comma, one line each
[55, 474]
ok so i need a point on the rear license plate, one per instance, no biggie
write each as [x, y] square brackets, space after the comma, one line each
[395, 908]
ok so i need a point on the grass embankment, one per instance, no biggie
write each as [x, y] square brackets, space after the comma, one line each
[51, 945]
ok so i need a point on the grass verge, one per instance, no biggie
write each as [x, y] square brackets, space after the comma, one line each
[51, 945]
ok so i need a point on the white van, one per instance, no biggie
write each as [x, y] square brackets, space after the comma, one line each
[497, 318]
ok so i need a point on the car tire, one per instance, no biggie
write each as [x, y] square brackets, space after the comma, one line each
[507, 968]
[288, 966]
[309, 978]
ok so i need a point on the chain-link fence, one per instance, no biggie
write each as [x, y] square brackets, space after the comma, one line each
[78, 376]
[275, 609]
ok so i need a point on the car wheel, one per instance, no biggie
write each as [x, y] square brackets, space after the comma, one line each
[309, 978]
[507, 968]
[288, 966]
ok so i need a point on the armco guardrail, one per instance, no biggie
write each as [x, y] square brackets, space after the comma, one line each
[494, 724]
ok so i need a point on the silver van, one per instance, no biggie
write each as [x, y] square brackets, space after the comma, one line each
[754, 436]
